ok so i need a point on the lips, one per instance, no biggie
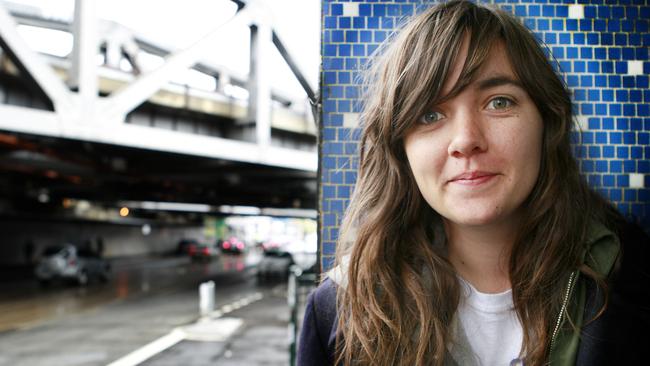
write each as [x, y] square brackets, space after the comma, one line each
[473, 178]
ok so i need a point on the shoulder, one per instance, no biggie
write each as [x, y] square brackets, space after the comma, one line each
[620, 335]
[318, 333]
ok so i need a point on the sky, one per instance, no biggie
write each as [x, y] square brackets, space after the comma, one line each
[177, 24]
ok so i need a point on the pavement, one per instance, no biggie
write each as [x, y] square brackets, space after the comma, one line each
[254, 330]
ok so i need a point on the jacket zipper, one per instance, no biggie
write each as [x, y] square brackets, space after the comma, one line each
[562, 310]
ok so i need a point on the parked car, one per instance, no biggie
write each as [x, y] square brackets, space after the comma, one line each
[274, 265]
[186, 246]
[233, 245]
[67, 262]
[204, 252]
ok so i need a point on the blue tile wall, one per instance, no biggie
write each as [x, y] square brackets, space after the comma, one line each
[595, 54]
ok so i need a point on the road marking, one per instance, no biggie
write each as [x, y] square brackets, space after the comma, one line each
[141, 354]
[205, 329]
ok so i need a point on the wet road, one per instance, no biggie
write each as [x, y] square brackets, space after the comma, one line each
[26, 304]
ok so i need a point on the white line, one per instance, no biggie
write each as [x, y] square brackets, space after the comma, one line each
[140, 355]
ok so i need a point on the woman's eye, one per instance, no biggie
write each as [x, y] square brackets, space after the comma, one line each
[431, 117]
[500, 103]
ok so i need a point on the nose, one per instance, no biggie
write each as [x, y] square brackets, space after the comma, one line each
[468, 136]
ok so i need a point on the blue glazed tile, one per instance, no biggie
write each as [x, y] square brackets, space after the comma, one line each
[579, 95]
[352, 36]
[600, 25]
[380, 36]
[642, 26]
[343, 191]
[520, 10]
[359, 22]
[615, 195]
[365, 36]
[643, 166]
[379, 10]
[630, 195]
[594, 152]
[627, 26]
[550, 38]
[586, 80]
[344, 50]
[621, 95]
[628, 53]
[607, 39]
[562, 11]
[351, 64]
[628, 81]
[594, 180]
[601, 166]
[586, 25]
[622, 152]
[534, 10]
[587, 166]
[643, 110]
[329, 191]
[329, 77]
[609, 180]
[579, 38]
[590, 11]
[387, 23]
[613, 25]
[618, 12]
[608, 95]
[616, 166]
[371, 49]
[601, 109]
[358, 50]
[345, 22]
[365, 9]
[344, 78]
[622, 124]
[392, 10]
[601, 137]
[608, 151]
[572, 52]
[548, 11]
[530, 23]
[572, 24]
[634, 39]
[565, 66]
[565, 38]
[542, 25]
[600, 81]
[586, 52]
[587, 109]
[629, 138]
[636, 152]
[614, 81]
[629, 166]
[336, 9]
[338, 36]
[642, 81]
[620, 39]
[636, 124]
[373, 22]
[600, 53]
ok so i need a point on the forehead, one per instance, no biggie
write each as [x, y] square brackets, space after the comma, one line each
[496, 63]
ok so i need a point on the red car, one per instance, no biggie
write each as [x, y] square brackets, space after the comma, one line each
[233, 245]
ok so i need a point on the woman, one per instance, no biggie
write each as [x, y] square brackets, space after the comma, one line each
[471, 238]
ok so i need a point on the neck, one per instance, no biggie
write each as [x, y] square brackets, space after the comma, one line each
[481, 254]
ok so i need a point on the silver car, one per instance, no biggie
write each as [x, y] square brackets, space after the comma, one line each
[67, 262]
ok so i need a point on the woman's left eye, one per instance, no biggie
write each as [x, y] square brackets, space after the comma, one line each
[500, 103]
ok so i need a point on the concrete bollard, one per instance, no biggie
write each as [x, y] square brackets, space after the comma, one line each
[206, 298]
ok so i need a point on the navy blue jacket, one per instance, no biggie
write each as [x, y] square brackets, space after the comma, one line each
[621, 336]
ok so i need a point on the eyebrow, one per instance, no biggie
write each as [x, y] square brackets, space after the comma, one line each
[498, 81]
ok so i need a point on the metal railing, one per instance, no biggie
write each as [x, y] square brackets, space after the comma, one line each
[300, 285]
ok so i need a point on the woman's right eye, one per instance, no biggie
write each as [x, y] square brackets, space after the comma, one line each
[431, 117]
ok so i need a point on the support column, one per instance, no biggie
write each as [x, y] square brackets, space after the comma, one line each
[83, 73]
[259, 102]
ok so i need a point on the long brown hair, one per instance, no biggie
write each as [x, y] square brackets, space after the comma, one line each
[401, 291]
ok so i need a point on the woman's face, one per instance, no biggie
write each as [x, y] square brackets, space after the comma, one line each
[476, 157]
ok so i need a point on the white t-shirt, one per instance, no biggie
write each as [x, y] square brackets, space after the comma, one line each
[490, 326]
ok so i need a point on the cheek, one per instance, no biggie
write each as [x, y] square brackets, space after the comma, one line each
[424, 157]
